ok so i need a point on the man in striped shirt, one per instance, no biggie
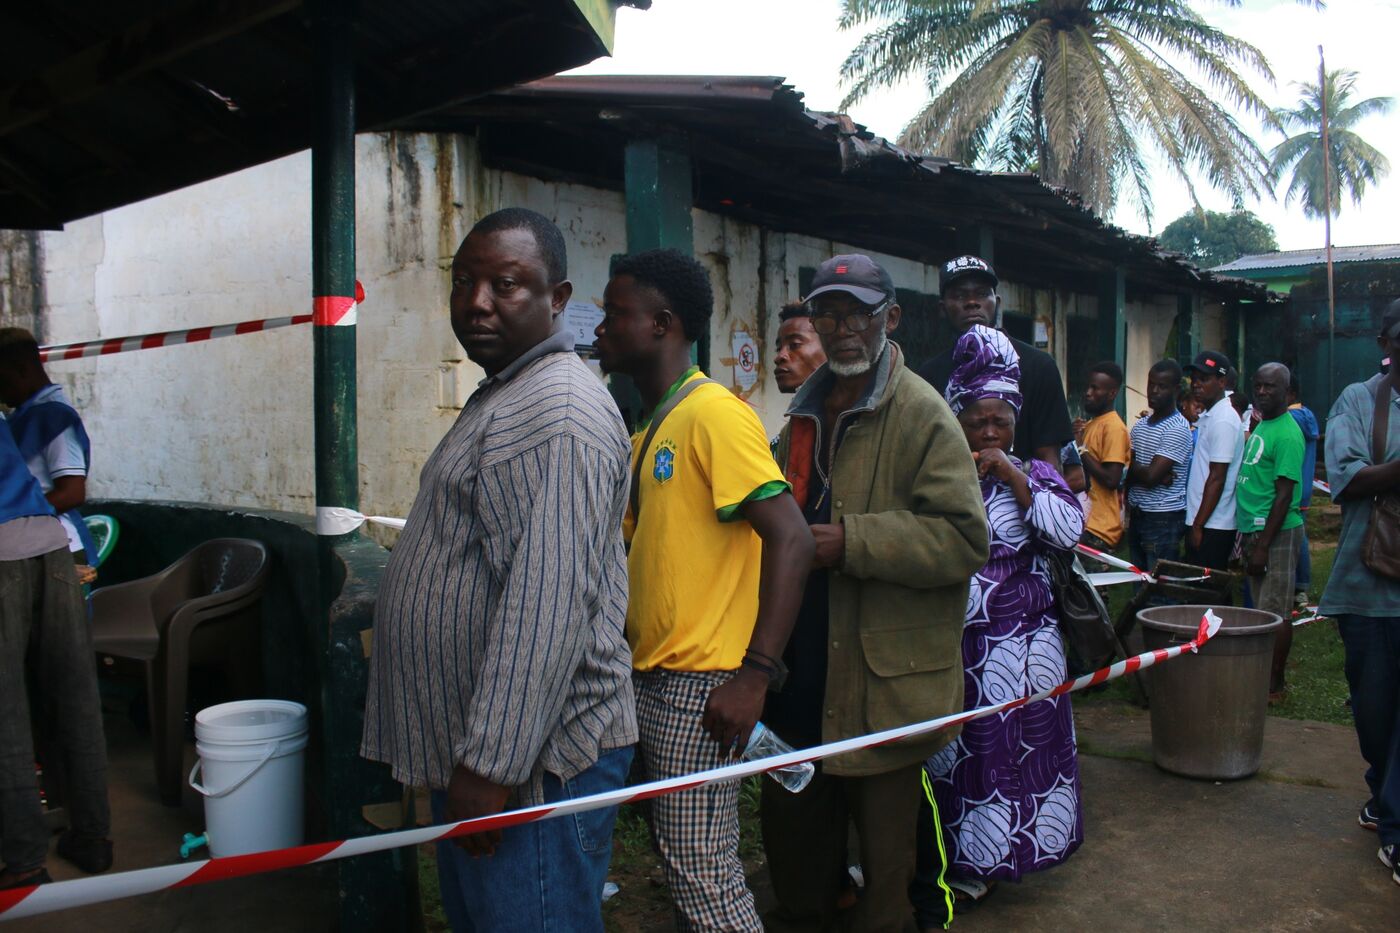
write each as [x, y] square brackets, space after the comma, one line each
[1157, 476]
[501, 674]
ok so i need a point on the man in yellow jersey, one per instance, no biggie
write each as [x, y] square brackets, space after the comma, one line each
[883, 473]
[718, 558]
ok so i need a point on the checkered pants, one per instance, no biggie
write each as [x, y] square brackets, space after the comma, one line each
[696, 832]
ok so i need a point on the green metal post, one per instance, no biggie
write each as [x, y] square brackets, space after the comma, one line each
[333, 260]
[1188, 329]
[374, 889]
[660, 192]
[976, 240]
[1111, 327]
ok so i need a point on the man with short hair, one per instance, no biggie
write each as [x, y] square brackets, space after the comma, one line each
[1161, 444]
[883, 474]
[797, 352]
[49, 433]
[718, 559]
[45, 654]
[1104, 452]
[967, 288]
[1366, 604]
[1267, 495]
[500, 675]
[1215, 464]
[1307, 423]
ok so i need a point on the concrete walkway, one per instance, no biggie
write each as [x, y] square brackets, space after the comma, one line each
[1280, 851]
[147, 834]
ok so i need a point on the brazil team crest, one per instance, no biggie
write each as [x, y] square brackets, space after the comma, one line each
[664, 463]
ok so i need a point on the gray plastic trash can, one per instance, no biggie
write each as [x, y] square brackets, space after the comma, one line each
[1208, 708]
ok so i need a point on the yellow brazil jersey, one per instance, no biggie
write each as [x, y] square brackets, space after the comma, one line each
[693, 563]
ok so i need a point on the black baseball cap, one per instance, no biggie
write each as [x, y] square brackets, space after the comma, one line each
[857, 275]
[1210, 362]
[964, 267]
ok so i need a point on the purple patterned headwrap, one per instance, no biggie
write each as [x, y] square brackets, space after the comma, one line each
[985, 365]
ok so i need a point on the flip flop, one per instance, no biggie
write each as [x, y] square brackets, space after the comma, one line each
[969, 893]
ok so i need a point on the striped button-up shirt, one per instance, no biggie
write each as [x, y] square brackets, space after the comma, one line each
[499, 631]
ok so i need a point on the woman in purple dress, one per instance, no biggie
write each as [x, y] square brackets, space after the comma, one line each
[1008, 787]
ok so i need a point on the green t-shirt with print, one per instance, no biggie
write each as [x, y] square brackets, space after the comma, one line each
[1274, 449]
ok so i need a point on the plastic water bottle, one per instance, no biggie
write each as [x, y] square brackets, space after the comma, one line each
[764, 743]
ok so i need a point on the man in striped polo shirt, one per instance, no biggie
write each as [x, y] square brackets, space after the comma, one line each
[1161, 444]
[500, 674]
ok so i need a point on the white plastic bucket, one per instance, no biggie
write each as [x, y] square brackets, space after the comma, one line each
[251, 753]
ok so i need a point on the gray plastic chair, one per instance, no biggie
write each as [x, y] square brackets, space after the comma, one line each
[204, 608]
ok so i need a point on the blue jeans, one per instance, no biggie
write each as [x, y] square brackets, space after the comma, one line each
[1373, 674]
[545, 876]
[1154, 536]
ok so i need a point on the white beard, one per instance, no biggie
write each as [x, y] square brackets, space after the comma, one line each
[862, 366]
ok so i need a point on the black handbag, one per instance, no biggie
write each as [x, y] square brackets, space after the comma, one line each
[1380, 547]
[1085, 626]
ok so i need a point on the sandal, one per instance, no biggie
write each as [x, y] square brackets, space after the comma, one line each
[10, 881]
[969, 893]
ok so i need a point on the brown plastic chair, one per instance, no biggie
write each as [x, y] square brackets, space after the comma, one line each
[203, 608]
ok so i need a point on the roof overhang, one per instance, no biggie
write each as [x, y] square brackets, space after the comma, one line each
[760, 155]
[106, 102]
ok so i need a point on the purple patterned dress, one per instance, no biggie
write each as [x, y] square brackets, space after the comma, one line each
[1008, 786]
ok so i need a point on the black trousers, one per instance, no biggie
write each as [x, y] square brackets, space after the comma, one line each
[1216, 546]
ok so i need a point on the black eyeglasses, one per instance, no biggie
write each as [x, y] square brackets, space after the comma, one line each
[857, 321]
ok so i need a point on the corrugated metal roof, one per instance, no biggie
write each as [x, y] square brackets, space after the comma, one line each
[105, 102]
[759, 154]
[1283, 259]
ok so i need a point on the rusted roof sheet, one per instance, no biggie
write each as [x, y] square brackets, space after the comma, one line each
[106, 102]
[761, 155]
[1287, 258]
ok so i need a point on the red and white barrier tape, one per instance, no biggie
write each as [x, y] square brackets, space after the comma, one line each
[1313, 616]
[1130, 571]
[1322, 486]
[326, 311]
[39, 899]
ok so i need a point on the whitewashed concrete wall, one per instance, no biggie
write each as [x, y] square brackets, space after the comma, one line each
[1149, 326]
[230, 421]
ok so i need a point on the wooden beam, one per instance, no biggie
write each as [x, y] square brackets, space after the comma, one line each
[136, 50]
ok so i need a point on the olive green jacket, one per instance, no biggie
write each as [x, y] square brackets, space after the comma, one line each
[904, 487]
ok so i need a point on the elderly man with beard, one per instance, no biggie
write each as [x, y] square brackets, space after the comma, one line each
[885, 479]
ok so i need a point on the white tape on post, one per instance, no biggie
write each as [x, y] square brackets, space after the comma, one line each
[335, 520]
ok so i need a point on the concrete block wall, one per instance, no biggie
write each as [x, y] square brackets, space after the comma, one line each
[230, 420]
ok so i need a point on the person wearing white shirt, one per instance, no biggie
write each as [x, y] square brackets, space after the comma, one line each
[49, 432]
[1215, 463]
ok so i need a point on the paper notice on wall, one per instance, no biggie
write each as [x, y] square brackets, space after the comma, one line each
[581, 318]
[745, 352]
[1042, 334]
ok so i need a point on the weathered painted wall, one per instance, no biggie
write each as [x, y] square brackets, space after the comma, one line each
[230, 421]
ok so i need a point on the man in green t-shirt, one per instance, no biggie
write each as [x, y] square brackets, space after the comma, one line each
[1268, 494]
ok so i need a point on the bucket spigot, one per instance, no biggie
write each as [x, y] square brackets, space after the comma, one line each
[193, 842]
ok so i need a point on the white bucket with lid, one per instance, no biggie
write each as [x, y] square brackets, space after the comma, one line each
[251, 753]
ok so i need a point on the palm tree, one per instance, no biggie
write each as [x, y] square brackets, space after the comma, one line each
[1354, 162]
[1069, 88]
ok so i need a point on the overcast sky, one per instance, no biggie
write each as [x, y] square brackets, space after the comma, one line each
[799, 40]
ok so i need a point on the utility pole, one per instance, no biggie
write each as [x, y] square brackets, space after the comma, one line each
[1327, 229]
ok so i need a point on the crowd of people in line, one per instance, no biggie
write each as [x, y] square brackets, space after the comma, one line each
[568, 611]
